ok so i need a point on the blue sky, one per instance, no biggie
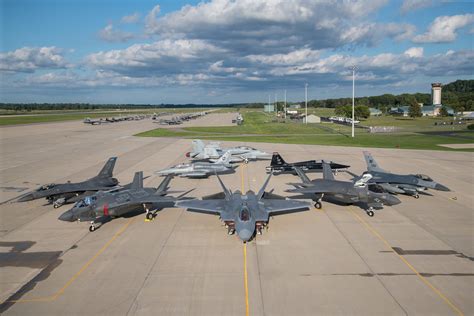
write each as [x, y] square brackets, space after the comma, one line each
[228, 51]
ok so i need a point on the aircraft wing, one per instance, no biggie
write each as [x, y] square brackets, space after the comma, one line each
[310, 190]
[215, 207]
[277, 207]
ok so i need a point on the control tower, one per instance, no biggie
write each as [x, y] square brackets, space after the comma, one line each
[436, 93]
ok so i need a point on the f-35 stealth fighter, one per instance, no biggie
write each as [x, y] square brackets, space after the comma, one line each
[201, 169]
[59, 194]
[104, 205]
[371, 196]
[245, 214]
[279, 165]
[409, 184]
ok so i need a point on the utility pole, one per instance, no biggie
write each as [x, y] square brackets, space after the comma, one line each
[353, 96]
[284, 107]
[306, 103]
[276, 105]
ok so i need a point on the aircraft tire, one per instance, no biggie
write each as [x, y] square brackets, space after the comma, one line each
[416, 196]
[370, 213]
[92, 228]
[149, 216]
[318, 205]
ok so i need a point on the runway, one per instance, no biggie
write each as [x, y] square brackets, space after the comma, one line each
[414, 258]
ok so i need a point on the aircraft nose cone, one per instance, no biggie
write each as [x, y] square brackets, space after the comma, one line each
[441, 187]
[245, 234]
[25, 198]
[393, 200]
[67, 216]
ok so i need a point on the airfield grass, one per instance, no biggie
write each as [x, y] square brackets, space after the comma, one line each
[263, 127]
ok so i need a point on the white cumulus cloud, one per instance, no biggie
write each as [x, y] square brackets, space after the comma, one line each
[443, 29]
[29, 59]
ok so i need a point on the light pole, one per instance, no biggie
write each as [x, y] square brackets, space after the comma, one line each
[306, 103]
[284, 107]
[353, 96]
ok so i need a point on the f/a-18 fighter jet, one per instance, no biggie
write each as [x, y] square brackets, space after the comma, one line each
[409, 184]
[59, 194]
[279, 165]
[369, 196]
[212, 152]
[105, 205]
[201, 169]
[245, 214]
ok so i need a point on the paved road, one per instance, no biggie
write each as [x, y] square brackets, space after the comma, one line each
[414, 258]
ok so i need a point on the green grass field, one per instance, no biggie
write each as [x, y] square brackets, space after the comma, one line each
[262, 127]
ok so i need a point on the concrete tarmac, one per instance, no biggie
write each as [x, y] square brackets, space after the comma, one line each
[414, 258]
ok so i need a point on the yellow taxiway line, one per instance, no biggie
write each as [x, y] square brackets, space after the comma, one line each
[412, 268]
[246, 284]
[75, 276]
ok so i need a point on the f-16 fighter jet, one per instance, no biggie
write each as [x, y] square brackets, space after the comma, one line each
[279, 165]
[245, 214]
[59, 194]
[371, 196]
[104, 205]
[201, 169]
[409, 184]
[212, 152]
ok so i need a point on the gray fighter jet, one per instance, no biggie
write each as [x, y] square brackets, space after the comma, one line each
[369, 196]
[213, 151]
[245, 214]
[201, 169]
[105, 205]
[59, 194]
[409, 184]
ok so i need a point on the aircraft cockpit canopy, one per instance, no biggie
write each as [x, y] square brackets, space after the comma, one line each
[375, 188]
[87, 201]
[46, 187]
[423, 177]
[244, 214]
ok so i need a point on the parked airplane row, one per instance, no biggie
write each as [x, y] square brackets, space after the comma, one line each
[179, 119]
[101, 198]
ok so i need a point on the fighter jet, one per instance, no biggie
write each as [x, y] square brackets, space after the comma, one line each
[245, 214]
[90, 121]
[212, 152]
[409, 184]
[280, 166]
[371, 196]
[201, 169]
[105, 205]
[59, 194]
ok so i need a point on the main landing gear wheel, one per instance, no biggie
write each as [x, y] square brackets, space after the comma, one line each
[55, 205]
[149, 216]
[416, 196]
[91, 228]
[318, 205]
[370, 213]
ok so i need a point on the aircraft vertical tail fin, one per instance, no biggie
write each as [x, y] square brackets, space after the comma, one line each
[137, 183]
[327, 171]
[198, 146]
[224, 159]
[261, 192]
[277, 160]
[372, 165]
[302, 175]
[108, 168]
[226, 191]
[164, 185]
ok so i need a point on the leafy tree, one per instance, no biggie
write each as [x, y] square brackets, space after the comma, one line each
[443, 111]
[343, 110]
[361, 111]
[414, 110]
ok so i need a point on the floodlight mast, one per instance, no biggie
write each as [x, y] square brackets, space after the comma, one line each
[354, 68]
[306, 103]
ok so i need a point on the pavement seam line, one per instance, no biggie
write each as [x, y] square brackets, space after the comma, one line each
[75, 276]
[364, 261]
[422, 278]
